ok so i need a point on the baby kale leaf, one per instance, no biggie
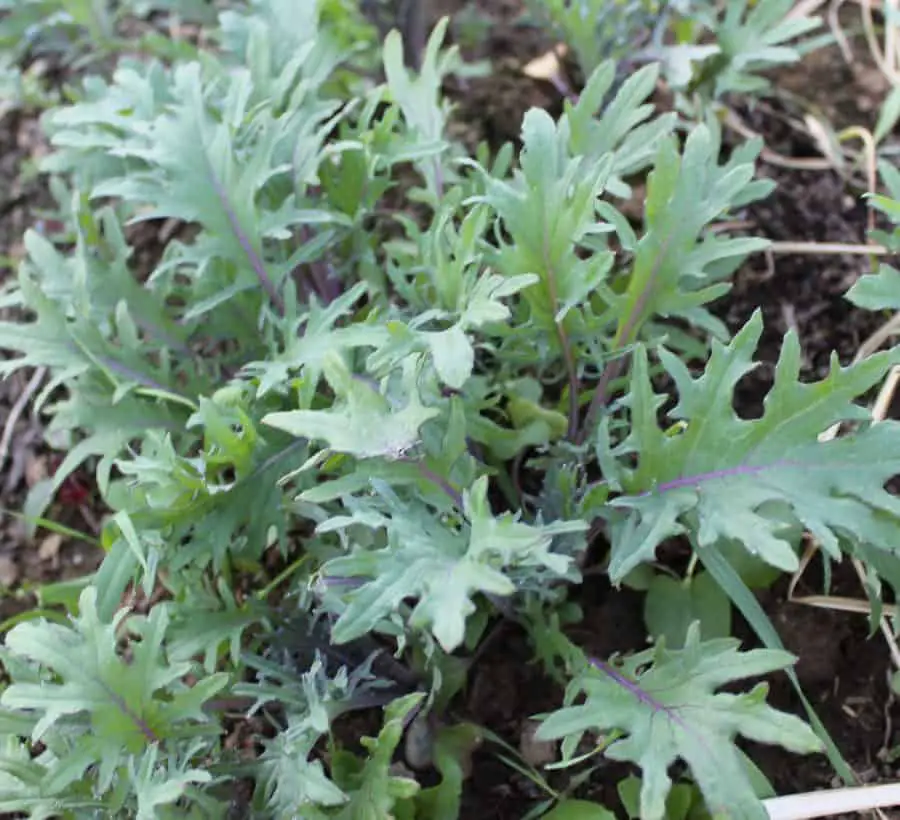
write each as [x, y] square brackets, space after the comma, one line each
[129, 704]
[363, 423]
[666, 704]
[753, 480]
[442, 568]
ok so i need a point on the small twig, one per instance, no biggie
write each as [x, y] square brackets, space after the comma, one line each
[832, 802]
[871, 153]
[841, 603]
[735, 123]
[879, 56]
[16, 411]
[826, 249]
[879, 337]
[888, 721]
[837, 30]
[804, 8]
[890, 36]
[886, 396]
[886, 60]
[730, 225]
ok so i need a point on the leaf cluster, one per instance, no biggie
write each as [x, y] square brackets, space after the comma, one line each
[370, 395]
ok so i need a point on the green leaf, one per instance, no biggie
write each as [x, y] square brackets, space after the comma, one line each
[202, 625]
[453, 356]
[756, 42]
[441, 568]
[297, 782]
[195, 173]
[372, 789]
[156, 785]
[666, 702]
[63, 593]
[672, 605]
[419, 96]
[750, 608]
[174, 495]
[595, 29]
[120, 566]
[754, 481]
[547, 210]
[755, 573]
[363, 424]
[578, 810]
[677, 265]
[131, 705]
[888, 116]
[877, 291]
[683, 803]
[453, 747]
[626, 127]
[24, 786]
[291, 781]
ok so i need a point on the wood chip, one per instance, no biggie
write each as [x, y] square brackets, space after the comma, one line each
[48, 550]
[9, 571]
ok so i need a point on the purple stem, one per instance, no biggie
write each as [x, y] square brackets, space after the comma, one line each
[253, 257]
[331, 581]
[321, 273]
[714, 475]
[613, 370]
[563, 88]
[323, 286]
[452, 493]
[642, 695]
[304, 288]
[647, 699]
[126, 710]
[164, 337]
[136, 376]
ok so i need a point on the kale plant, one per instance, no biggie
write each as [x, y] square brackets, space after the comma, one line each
[375, 395]
[703, 51]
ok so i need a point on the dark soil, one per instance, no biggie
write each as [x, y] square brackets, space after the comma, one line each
[844, 671]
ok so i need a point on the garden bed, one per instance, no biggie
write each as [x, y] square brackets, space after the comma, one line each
[844, 669]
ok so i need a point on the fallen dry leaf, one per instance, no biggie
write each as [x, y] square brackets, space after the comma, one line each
[547, 66]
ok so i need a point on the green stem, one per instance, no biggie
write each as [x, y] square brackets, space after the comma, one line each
[626, 335]
[281, 577]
